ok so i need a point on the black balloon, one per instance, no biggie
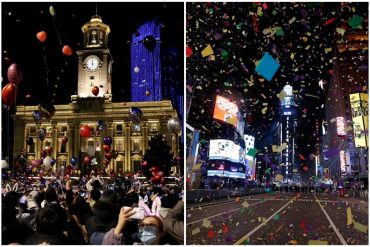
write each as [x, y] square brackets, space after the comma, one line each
[42, 133]
[136, 115]
[149, 42]
[47, 110]
[29, 140]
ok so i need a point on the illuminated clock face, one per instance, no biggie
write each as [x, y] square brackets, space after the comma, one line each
[92, 63]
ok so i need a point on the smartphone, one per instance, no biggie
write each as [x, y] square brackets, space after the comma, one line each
[139, 214]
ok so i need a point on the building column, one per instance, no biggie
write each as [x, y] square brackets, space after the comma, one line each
[24, 139]
[175, 150]
[76, 146]
[127, 165]
[144, 126]
[54, 142]
[110, 133]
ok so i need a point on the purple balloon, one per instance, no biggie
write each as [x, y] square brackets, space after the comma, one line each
[107, 140]
[14, 74]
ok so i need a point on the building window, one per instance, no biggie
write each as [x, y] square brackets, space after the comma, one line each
[136, 129]
[63, 131]
[32, 131]
[153, 128]
[137, 166]
[63, 147]
[47, 143]
[119, 165]
[136, 146]
[49, 131]
[119, 146]
[31, 148]
[119, 129]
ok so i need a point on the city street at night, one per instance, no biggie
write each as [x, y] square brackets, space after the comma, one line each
[279, 219]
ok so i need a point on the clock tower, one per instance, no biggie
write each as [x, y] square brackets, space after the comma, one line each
[94, 61]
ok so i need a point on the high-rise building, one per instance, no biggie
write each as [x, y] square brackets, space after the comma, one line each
[155, 68]
[347, 95]
[287, 131]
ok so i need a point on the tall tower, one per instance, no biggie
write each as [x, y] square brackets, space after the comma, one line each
[146, 63]
[287, 132]
[94, 63]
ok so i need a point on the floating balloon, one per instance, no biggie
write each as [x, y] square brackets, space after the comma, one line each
[53, 161]
[87, 160]
[47, 109]
[108, 156]
[73, 161]
[100, 122]
[136, 69]
[29, 141]
[14, 74]
[95, 91]
[36, 115]
[149, 42]
[4, 164]
[156, 179]
[41, 134]
[147, 93]
[154, 169]
[136, 115]
[64, 139]
[106, 148]
[114, 154]
[47, 162]
[90, 150]
[67, 50]
[85, 131]
[9, 94]
[174, 125]
[107, 140]
[305, 168]
[106, 162]
[41, 36]
[52, 10]
[44, 153]
[48, 149]
[144, 163]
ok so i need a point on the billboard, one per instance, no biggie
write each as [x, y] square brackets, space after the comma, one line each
[226, 174]
[225, 110]
[359, 107]
[225, 150]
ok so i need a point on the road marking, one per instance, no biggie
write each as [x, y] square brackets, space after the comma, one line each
[240, 241]
[210, 217]
[215, 203]
[332, 224]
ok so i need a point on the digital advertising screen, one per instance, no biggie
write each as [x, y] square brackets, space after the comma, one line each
[226, 111]
[221, 149]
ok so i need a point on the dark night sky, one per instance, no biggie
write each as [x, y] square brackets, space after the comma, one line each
[235, 32]
[21, 22]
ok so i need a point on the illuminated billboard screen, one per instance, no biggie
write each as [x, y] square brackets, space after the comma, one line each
[227, 174]
[359, 107]
[225, 110]
[221, 149]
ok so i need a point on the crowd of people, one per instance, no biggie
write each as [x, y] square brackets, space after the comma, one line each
[91, 210]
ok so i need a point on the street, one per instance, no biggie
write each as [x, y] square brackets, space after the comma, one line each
[271, 219]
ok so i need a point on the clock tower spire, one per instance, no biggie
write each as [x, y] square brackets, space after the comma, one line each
[94, 61]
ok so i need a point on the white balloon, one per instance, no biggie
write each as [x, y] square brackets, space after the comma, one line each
[47, 162]
[136, 69]
[4, 164]
[90, 150]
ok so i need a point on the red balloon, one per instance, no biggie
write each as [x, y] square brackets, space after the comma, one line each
[64, 139]
[44, 153]
[108, 156]
[95, 91]
[14, 74]
[305, 168]
[87, 160]
[106, 162]
[106, 148]
[9, 94]
[155, 169]
[85, 131]
[67, 50]
[41, 36]
[49, 149]
[144, 163]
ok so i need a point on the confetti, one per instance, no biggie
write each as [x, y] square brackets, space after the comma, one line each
[360, 227]
[206, 223]
[195, 231]
[207, 51]
[349, 216]
[267, 66]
